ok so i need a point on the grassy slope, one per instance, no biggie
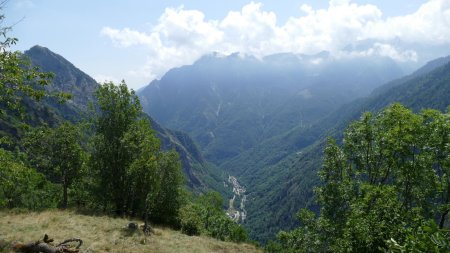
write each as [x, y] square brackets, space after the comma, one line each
[103, 234]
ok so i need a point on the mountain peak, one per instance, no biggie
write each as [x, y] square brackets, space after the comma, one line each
[68, 78]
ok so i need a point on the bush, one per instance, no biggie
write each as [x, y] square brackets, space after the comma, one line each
[207, 217]
[24, 187]
[190, 219]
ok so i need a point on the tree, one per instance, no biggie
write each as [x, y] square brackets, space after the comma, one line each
[134, 175]
[437, 132]
[144, 181]
[20, 185]
[169, 199]
[118, 110]
[57, 153]
[389, 180]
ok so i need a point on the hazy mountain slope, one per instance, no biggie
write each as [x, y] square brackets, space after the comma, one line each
[280, 189]
[200, 175]
[231, 104]
[275, 149]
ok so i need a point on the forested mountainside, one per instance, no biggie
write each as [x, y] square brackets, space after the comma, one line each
[67, 78]
[229, 104]
[282, 173]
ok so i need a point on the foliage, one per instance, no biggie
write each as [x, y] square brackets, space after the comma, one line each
[22, 186]
[206, 216]
[387, 181]
[133, 175]
[190, 219]
[57, 153]
[169, 199]
[110, 159]
[426, 238]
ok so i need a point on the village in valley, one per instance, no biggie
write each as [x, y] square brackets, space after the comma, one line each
[237, 213]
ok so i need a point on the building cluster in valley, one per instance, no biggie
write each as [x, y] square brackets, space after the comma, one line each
[238, 214]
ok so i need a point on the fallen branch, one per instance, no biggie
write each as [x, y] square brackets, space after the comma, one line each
[45, 247]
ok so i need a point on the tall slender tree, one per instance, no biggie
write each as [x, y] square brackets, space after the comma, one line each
[119, 108]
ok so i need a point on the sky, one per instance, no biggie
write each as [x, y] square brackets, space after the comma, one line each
[140, 40]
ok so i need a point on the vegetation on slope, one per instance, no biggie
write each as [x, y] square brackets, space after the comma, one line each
[387, 189]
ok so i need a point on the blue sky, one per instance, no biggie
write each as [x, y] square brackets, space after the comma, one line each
[139, 40]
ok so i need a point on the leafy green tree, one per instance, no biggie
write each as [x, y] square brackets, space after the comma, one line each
[118, 110]
[169, 198]
[437, 132]
[143, 178]
[20, 185]
[389, 178]
[134, 175]
[57, 153]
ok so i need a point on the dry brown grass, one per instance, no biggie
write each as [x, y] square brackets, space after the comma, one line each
[103, 234]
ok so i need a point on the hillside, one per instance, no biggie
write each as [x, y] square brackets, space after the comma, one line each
[103, 234]
[230, 104]
[292, 168]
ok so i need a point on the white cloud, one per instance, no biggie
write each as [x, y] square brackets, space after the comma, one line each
[187, 28]
[383, 49]
[26, 4]
[430, 24]
[127, 37]
[181, 36]
[101, 78]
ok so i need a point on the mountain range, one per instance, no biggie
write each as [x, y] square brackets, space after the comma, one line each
[263, 121]
[229, 104]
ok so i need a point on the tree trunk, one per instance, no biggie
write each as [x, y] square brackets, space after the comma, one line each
[442, 220]
[64, 204]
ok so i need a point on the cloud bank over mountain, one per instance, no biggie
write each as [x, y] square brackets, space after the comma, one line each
[345, 29]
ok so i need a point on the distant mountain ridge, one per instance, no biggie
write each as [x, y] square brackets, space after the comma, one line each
[230, 104]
